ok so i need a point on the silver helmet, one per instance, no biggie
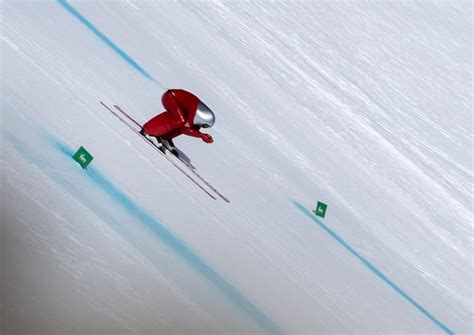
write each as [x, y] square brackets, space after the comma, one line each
[204, 116]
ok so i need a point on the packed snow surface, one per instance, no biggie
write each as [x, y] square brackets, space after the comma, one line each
[366, 107]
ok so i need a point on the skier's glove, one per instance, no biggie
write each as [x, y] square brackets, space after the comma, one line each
[207, 138]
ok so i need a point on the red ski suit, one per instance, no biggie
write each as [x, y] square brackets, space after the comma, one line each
[180, 106]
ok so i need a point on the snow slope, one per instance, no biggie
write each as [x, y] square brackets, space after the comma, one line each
[365, 106]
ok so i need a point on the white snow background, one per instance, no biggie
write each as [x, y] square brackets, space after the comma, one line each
[366, 106]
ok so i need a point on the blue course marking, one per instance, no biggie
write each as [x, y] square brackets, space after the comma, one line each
[184, 251]
[107, 41]
[141, 215]
[371, 267]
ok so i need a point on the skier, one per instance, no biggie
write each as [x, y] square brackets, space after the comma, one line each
[185, 115]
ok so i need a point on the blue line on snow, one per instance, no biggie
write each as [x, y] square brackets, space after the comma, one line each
[107, 41]
[142, 216]
[371, 267]
[182, 249]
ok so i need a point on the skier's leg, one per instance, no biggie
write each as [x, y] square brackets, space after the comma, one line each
[166, 122]
[172, 106]
[172, 134]
[159, 125]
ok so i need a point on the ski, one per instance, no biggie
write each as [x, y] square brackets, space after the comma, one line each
[191, 168]
[181, 169]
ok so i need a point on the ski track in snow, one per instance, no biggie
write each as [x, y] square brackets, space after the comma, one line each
[366, 106]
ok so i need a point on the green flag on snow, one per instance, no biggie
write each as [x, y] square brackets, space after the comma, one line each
[83, 157]
[320, 209]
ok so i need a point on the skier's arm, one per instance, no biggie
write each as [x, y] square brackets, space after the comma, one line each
[192, 132]
[196, 133]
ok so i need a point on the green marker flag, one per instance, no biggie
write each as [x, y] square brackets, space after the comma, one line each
[320, 209]
[83, 157]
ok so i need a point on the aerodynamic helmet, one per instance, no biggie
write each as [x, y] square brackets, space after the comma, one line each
[204, 116]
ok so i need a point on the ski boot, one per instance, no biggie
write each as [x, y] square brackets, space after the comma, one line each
[155, 140]
[168, 144]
